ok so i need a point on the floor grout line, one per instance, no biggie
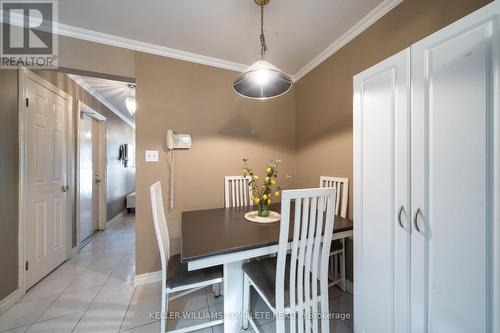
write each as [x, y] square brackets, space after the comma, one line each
[128, 308]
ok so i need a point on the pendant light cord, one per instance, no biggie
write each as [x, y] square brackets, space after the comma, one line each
[263, 46]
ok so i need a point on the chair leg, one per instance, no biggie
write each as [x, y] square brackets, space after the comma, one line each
[164, 310]
[280, 324]
[335, 266]
[216, 289]
[330, 269]
[246, 301]
[342, 266]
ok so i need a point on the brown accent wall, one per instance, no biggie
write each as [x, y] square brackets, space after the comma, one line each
[324, 96]
[199, 100]
[8, 182]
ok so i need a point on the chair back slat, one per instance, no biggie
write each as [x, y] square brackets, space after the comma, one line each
[302, 256]
[308, 259]
[294, 258]
[237, 192]
[309, 236]
[161, 228]
[342, 198]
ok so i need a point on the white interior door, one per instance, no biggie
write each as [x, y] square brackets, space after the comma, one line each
[87, 185]
[382, 196]
[453, 238]
[46, 180]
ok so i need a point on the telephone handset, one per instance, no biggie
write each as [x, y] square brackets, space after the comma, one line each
[178, 141]
[175, 141]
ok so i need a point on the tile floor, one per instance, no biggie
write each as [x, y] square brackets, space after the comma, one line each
[94, 292]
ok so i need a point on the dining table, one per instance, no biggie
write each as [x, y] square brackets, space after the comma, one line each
[222, 236]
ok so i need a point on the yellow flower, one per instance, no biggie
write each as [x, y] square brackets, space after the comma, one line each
[264, 196]
[257, 200]
[277, 193]
[273, 181]
[252, 198]
[269, 170]
[255, 177]
[267, 179]
[268, 201]
[244, 170]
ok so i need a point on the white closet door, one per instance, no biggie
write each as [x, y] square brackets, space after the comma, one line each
[453, 177]
[382, 257]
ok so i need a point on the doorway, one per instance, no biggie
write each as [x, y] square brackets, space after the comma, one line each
[91, 174]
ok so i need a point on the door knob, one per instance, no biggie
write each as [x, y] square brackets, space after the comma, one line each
[63, 188]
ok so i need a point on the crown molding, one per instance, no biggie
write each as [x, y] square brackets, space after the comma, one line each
[135, 45]
[82, 83]
[372, 17]
[132, 44]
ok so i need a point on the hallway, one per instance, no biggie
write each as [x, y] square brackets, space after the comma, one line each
[90, 291]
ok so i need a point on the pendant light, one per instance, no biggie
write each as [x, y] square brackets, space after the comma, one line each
[130, 102]
[262, 80]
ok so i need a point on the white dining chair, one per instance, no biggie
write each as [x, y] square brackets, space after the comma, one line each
[337, 254]
[177, 281]
[237, 191]
[293, 283]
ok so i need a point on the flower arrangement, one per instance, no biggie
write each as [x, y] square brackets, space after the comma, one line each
[263, 188]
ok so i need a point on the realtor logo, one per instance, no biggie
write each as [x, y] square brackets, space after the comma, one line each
[28, 34]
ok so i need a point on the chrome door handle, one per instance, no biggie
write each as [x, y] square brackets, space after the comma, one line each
[399, 217]
[415, 219]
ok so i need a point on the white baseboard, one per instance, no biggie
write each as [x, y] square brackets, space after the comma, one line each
[8, 301]
[146, 278]
[349, 287]
[119, 215]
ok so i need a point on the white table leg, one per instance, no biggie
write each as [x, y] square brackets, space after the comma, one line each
[233, 296]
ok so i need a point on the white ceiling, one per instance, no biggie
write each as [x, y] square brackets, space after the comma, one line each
[111, 93]
[296, 31]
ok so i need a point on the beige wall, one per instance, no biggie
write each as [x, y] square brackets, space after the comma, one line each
[199, 100]
[77, 54]
[324, 96]
[8, 180]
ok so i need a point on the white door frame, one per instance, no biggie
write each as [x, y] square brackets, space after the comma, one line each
[102, 212]
[25, 74]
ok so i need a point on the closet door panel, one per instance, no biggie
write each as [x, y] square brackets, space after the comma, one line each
[452, 173]
[381, 182]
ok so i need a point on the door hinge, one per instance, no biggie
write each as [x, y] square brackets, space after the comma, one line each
[26, 266]
[27, 102]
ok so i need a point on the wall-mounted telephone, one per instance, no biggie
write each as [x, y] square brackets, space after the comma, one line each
[178, 141]
[175, 141]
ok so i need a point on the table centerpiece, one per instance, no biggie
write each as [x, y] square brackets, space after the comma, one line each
[262, 191]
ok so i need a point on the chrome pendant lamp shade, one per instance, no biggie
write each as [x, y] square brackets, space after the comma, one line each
[262, 80]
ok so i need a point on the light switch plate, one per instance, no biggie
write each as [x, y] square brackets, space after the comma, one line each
[151, 155]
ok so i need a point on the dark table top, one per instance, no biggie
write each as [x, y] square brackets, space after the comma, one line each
[225, 230]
